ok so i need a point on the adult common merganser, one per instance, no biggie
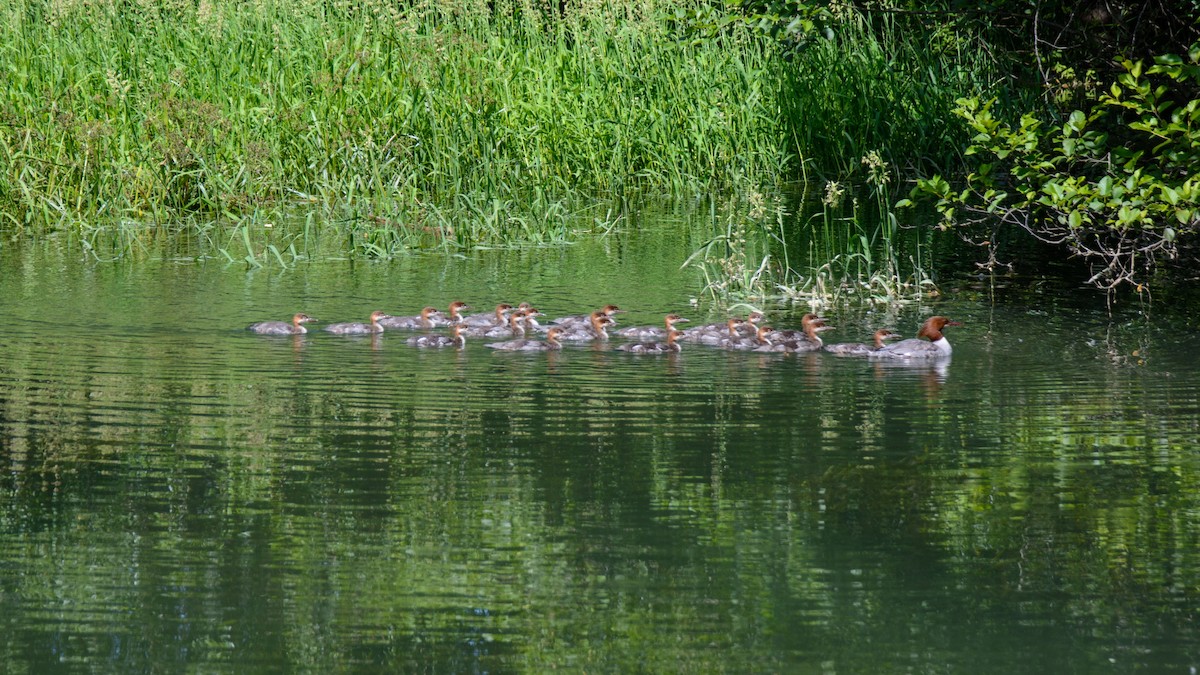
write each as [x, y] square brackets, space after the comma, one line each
[860, 349]
[358, 328]
[937, 346]
[668, 347]
[652, 332]
[597, 329]
[551, 343]
[585, 319]
[281, 327]
[489, 319]
[453, 315]
[426, 319]
[456, 339]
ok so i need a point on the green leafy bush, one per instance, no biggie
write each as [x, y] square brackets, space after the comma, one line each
[1116, 183]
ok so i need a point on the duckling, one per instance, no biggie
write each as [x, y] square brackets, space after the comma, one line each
[282, 327]
[358, 328]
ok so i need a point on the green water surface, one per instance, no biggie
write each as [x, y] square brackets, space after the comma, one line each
[177, 495]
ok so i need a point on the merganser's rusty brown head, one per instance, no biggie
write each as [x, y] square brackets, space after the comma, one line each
[932, 328]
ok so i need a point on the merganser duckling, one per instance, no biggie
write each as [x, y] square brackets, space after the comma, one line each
[531, 322]
[514, 328]
[652, 332]
[281, 327]
[426, 319]
[805, 340]
[860, 349]
[358, 328]
[453, 315]
[809, 324]
[551, 343]
[489, 319]
[937, 346]
[762, 338]
[569, 321]
[595, 330]
[518, 325]
[668, 347]
[730, 331]
[747, 327]
[789, 346]
[456, 339]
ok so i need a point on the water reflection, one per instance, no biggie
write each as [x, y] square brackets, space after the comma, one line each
[178, 495]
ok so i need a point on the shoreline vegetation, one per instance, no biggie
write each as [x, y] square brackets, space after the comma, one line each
[452, 125]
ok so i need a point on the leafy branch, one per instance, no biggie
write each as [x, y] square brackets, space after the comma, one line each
[1116, 184]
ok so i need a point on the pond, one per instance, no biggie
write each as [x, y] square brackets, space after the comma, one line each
[180, 495]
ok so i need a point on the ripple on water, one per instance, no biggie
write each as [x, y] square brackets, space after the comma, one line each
[179, 493]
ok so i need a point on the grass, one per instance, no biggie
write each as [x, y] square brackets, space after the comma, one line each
[884, 83]
[444, 124]
[451, 125]
[854, 248]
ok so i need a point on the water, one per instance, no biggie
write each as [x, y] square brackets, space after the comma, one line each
[178, 495]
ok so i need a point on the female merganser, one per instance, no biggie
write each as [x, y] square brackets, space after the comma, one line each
[426, 319]
[281, 327]
[490, 319]
[456, 339]
[595, 330]
[730, 330]
[762, 338]
[453, 315]
[860, 349]
[670, 346]
[358, 328]
[585, 319]
[551, 343]
[652, 332]
[938, 345]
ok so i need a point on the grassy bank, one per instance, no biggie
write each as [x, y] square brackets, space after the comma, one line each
[121, 111]
[439, 125]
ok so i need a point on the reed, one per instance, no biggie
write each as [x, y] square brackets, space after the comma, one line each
[855, 250]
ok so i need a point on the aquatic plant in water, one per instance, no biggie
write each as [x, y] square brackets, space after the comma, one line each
[855, 256]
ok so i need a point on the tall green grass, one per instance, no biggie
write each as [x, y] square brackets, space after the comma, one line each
[830, 246]
[258, 128]
[443, 124]
[883, 82]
